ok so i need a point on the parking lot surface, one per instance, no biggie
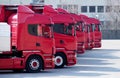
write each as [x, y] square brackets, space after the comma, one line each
[103, 62]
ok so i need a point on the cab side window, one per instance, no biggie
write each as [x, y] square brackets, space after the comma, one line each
[39, 30]
[35, 29]
[32, 29]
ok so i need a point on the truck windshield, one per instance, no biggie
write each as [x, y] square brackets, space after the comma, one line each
[58, 28]
[61, 28]
[98, 27]
[80, 27]
[68, 30]
[92, 27]
[87, 28]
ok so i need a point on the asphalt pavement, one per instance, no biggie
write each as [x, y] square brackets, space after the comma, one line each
[103, 62]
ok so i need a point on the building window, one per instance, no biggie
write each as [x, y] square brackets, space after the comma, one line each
[108, 8]
[65, 7]
[92, 9]
[37, 1]
[71, 8]
[59, 6]
[83, 8]
[100, 9]
[116, 8]
[76, 9]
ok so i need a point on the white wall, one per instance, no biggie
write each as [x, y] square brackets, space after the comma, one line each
[13, 2]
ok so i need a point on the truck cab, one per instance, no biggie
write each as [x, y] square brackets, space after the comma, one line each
[97, 32]
[65, 38]
[79, 30]
[80, 33]
[89, 32]
[92, 32]
[31, 44]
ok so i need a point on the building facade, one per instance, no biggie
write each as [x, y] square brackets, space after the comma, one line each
[107, 11]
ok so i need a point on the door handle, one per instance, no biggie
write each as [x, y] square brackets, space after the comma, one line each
[37, 44]
[61, 41]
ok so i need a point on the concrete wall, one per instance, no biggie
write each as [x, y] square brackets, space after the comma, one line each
[111, 34]
[15, 2]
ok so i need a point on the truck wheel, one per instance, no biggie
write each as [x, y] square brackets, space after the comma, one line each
[59, 60]
[34, 64]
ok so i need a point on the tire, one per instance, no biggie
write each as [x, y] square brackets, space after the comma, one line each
[60, 60]
[34, 64]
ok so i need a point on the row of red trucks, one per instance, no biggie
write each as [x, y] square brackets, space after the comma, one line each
[88, 31]
[34, 38]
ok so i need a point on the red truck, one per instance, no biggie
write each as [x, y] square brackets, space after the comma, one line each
[80, 33]
[79, 30]
[26, 39]
[89, 32]
[65, 37]
[92, 33]
[97, 32]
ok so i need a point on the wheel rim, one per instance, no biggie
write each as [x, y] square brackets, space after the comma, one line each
[34, 64]
[58, 60]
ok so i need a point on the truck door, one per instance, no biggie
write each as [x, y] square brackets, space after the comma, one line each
[39, 34]
[44, 40]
